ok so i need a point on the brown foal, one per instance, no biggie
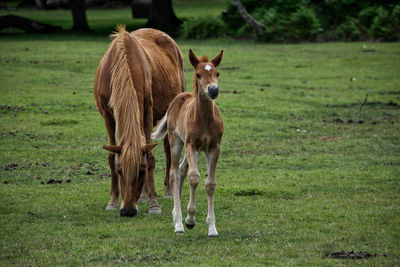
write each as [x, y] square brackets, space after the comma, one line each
[193, 121]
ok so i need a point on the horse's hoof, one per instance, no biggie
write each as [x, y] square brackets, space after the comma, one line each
[168, 195]
[155, 210]
[213, 235]
[189, 226]
[180, 233]
[112, 207]
[143, 199]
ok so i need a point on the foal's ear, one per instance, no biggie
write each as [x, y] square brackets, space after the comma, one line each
[217, 60]
[149, 147]
[113, 149]
[193, 59]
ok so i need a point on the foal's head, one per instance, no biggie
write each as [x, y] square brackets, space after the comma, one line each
[131, 184]
[206, 74]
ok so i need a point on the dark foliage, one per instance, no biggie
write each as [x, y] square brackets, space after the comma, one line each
[309, 20]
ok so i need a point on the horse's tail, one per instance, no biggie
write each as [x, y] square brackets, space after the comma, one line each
[125, 104]
[161, 128]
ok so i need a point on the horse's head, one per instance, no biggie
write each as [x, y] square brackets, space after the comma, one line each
[131, 181]
[206, 73]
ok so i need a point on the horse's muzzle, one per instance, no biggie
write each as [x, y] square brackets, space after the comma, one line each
[128, 213]
[213, 91]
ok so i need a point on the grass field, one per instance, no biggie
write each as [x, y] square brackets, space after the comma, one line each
[302, 172]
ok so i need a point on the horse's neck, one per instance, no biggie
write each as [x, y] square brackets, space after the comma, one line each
[204, 107]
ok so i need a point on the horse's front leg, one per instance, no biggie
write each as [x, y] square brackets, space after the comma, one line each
[114, 192]
[175, 182]
[194, 179]
[212, 159]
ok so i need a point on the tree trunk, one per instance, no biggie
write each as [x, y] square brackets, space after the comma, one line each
[257, 26]
[163, 17]
[79, 15]
[27, 25]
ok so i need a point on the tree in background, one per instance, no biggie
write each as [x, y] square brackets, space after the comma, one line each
[79, 15]
[162, 16]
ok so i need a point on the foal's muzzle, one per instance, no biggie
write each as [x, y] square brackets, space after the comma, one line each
[128, 213]
[212, 91]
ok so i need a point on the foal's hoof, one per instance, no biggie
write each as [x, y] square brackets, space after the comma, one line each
[112, 206]
[189, 226]
[212, 232]
[179, 229]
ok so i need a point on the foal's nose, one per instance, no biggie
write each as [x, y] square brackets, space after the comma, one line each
[128, 213]
[213, 91]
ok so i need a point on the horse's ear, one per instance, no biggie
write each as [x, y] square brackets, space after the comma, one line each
[149, 147]
[113, 149]
[193, 59]
[217, 60]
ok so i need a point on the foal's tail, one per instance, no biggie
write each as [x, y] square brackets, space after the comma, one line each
[162, 129]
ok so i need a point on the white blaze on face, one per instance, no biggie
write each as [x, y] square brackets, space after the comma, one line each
[208, 67]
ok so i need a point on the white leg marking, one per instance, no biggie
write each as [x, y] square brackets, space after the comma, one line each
[194, 178]
[174, 172]
[212, 159]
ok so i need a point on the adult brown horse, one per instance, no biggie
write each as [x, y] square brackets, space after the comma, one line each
[139, 75]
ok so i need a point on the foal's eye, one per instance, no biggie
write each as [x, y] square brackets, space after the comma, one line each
[218, 74]
[198, 76]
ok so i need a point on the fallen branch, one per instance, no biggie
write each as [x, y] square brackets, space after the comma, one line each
[257, 26]
[30, 26]
[365, 102]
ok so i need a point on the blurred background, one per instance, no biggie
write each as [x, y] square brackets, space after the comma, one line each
[262, 20]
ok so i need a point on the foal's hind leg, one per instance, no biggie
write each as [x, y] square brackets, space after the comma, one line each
[212, 158]
[114, 192]
[175, 182]
[167, 150]
[194, 179]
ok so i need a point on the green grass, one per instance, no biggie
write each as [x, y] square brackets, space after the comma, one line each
[294, 182]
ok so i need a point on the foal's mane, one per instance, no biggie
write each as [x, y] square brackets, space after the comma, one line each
[124, 102]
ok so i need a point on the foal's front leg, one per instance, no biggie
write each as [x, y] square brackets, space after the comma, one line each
[212, 158]
[194, 179]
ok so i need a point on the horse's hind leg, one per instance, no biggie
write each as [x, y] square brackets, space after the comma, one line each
[154, 207]
[167, 150]
[144, 197]
[194, 179]
[114, 192]
[212, 159]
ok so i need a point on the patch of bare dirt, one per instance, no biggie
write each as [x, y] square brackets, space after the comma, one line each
[349, 255]
[327, 138]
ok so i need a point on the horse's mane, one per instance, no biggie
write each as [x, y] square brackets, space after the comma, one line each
[124, 102]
